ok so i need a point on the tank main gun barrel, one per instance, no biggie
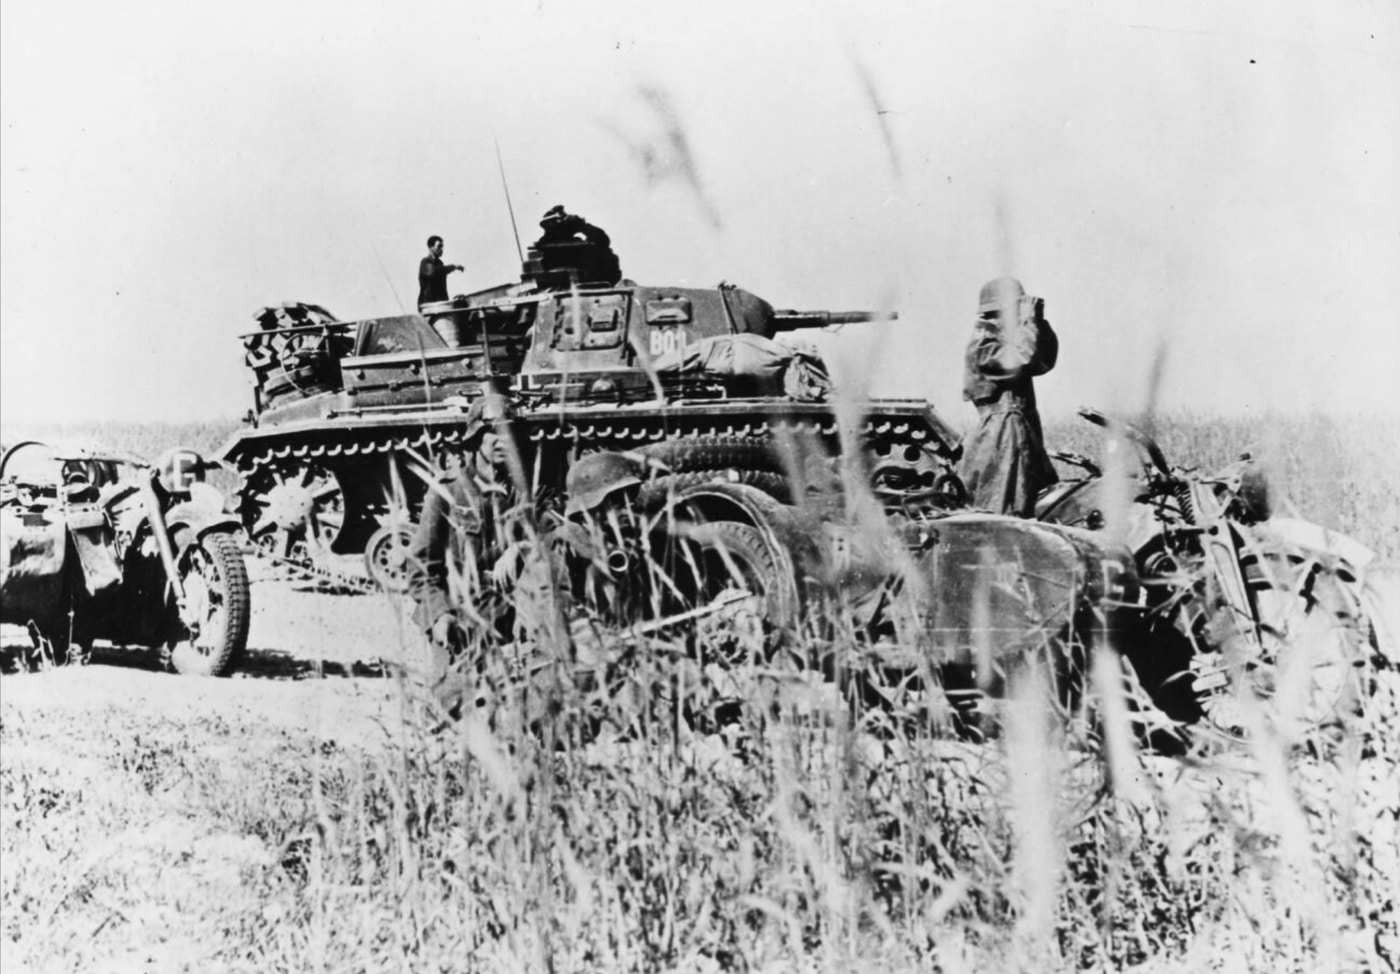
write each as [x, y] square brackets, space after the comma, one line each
[788, 320]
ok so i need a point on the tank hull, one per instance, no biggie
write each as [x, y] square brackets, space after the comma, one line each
[347, 471]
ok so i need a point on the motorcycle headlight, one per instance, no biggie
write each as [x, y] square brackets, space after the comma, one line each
[180, 469]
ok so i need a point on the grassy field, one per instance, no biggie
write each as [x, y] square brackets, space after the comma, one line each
[636, 822]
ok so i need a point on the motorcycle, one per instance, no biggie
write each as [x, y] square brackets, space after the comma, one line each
[108, 546]
[1238, 607]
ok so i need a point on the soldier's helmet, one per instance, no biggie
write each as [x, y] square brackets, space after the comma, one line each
[597, 477]
[1002, 292]
[484, 413]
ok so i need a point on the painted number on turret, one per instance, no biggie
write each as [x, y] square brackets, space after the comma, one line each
[665, 340]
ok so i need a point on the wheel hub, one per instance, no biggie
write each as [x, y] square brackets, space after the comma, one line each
[387, 557]
[289, 505]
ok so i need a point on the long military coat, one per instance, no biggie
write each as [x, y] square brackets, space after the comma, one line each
[1004, 463]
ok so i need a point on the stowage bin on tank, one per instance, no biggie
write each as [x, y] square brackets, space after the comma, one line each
[349, 417]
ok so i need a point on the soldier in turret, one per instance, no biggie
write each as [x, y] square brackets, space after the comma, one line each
[1004, 463]
[571, 250]
[560, 226]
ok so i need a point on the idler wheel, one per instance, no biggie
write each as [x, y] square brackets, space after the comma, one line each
[387, 557]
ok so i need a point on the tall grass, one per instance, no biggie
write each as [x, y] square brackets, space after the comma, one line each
[622, 814]
[639, 809]
[1342, 472]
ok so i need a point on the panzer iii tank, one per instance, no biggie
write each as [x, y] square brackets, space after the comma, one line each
[350, 417]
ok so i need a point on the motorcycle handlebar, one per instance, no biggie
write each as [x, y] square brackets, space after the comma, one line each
[1145, 444]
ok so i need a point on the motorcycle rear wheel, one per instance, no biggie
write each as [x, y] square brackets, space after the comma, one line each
[216, 588]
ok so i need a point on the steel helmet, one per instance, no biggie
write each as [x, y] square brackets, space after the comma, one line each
[596, 476]
[999, 293]
[489, 410]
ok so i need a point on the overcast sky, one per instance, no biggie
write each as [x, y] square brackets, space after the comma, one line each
[1219, 180]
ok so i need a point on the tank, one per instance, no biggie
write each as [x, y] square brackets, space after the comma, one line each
[351, 418]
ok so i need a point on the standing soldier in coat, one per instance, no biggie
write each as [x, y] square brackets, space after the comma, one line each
[1004, 464]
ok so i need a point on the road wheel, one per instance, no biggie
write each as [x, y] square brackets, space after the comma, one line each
[216, 592]
[295, 509]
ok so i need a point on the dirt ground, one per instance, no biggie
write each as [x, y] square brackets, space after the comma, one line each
[316, 660]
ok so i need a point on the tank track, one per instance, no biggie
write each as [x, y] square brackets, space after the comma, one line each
[615, 433]
[750, 442]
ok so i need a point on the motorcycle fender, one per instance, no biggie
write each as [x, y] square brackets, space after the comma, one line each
[789, 532]
[188, 523]
[1373, 583]
[1314, 537]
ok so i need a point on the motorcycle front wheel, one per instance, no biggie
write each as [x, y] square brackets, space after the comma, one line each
[216, 593]
[1312, 674]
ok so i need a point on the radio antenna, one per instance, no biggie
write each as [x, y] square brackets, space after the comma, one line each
[509, 208]
[387, 278]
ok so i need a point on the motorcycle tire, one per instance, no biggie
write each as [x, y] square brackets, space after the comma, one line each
[1308, 677]
[655, 492]
[216, 580]
[733, 557]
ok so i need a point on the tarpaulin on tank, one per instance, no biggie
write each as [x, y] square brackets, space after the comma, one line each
[751, 365]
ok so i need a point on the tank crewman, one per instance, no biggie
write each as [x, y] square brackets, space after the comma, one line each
[1004, 463]
[561, 247]
[432, 274]
[560, 226]
[467, 524]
